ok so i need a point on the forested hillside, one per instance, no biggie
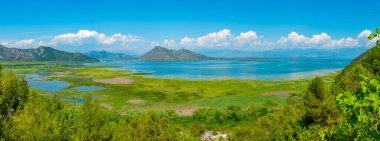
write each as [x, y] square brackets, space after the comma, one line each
[42, 53]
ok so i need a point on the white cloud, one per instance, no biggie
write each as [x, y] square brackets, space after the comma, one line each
[364, 34]
[86, 36]
[298, 40]
[186, 41]
[320, 39]
[93, 40]
[25, 43]
[4, 43]
[324, 40]
[82, 40]
[250, 39]
[293, 39]
[215, 39]
[247, 39]
[166, 43]
[169, 43]
[343, 42]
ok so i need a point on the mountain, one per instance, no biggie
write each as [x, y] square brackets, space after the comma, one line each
[104, 55]
[41, 54]
[342, 53]
[349, 79]
[163, 54]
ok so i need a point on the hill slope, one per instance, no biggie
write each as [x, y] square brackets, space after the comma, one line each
[163, 54]
[367, 64]
[104, 55]
[41, 54]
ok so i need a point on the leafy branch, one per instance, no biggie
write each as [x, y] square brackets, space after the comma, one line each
[374, 35]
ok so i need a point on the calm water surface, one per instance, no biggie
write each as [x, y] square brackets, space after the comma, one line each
[261, 70]
[89, 88]
[35, 81]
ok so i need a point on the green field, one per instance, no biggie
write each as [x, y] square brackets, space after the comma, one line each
[159, 93]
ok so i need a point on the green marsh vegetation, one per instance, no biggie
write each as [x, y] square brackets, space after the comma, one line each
[161, 93]
[325, 108]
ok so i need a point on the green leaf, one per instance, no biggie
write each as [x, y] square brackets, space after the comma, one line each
[371, 36]
[377, 30]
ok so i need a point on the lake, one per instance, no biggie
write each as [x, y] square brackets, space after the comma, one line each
[214, 69]
[88, 88]
[35, 81]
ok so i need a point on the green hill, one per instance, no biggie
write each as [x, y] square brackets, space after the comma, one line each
[41, 54]
[108, 56]
[163, 54]
[367, 64]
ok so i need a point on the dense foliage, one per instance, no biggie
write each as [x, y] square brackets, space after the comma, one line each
[373, 36]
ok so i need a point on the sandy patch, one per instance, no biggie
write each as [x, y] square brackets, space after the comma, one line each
[136, 101]
[116, 80]
[279, 93]
[185, 111]
[61, 74]
[107, 106]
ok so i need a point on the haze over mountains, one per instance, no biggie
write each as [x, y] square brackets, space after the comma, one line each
[346, 53]
[108, 56]
[50, 54]
[163, 54]
[41, 54]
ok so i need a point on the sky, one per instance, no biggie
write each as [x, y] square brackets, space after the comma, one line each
[138, 25]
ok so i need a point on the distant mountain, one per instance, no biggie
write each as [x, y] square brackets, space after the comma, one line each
[41, 54]
[346, 53]
[163, 54]
[104, 55]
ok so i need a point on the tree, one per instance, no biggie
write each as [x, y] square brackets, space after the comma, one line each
[313, 101]
[374, 35]
[320, 105]
[363, 109]
[13, 95]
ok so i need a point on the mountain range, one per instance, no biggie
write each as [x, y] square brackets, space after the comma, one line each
[163, 54]
[108, 56]
[342, 53]
[41, 53]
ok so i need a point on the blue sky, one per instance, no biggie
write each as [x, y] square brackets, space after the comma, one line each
[147, 23]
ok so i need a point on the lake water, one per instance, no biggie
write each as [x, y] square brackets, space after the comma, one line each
[261, 70]
[49, 86]
[71, 99]
[89, 88]
[34, 81]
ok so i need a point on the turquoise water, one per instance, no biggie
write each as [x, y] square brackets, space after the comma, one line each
[49, 86]
[89, 88]
[261, 70]
[72, 100]
[35, 81]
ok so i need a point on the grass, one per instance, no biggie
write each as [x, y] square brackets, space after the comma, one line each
[161, 93]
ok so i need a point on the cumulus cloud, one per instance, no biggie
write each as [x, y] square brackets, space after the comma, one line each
[25, 42]
[249, 38]
[81, 40]
[215, 39]
[225, 38]
[93, 40]
[298, 40]
[169, 43]
[166, 43]
[86, 36]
